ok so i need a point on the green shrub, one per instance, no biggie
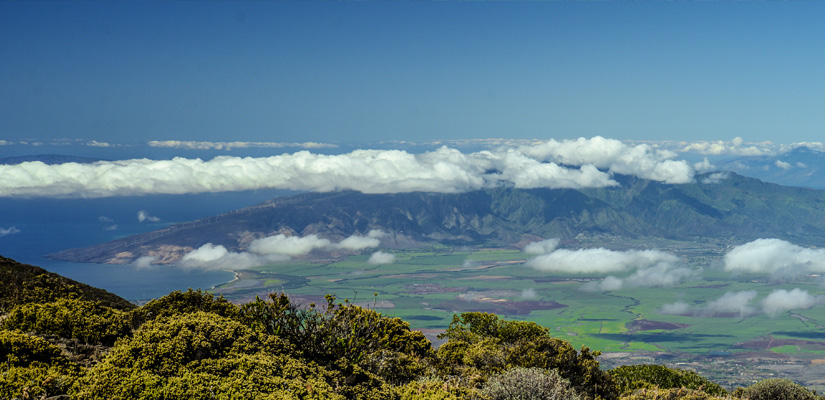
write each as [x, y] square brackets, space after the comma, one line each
[669, 394]
[628, 378]
[202, 356]
[344, 332]
[432, 389]
[777, 389]
[31, 367]
[85, 320]
[528, 384]
[187, 302]
[480, 345]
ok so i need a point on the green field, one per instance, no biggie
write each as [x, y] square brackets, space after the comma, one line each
[427, 287]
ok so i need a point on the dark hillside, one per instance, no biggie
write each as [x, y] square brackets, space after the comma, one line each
[23, 283]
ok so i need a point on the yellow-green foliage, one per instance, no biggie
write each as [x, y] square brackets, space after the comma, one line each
[629, 378]
[433, 389]
[528, 384]
[85, 320]
[200, 356]
[179, 302]
[777, 389]
[31, 367]
[479, 345]
[344, 333]
[670, 394]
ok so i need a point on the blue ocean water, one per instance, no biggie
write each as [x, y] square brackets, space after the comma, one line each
[36, 227]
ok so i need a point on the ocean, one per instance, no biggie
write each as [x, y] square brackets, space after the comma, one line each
[32, 228]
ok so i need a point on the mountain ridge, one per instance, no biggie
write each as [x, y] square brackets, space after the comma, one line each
[734, 208]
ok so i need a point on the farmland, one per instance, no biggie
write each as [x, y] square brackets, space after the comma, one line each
[426, 287]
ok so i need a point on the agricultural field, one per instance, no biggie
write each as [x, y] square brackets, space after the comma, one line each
[426, 288]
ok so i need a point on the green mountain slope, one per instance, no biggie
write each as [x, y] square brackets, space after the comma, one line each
[735, 207]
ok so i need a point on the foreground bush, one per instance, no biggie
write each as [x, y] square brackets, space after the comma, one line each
[777, 389]
[31, 367]
[629, 378]
[670, 394]
[88, 321]
[528, 384]
[433, 389]
[343, 333]
[481, 345]
[203, 356]
[187, 302]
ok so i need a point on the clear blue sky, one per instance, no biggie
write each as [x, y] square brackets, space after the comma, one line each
[369, 71]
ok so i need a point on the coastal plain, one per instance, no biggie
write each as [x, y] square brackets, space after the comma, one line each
[428, 286]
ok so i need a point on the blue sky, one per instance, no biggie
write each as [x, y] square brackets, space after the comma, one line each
[369, 71]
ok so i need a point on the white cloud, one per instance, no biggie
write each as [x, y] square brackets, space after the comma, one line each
[381, 258]
[774, 257]
[211, 256]
[641, 160]
[144, 262]
[733, 302]
[196, 145]
[676, 308]
[651, 268]
[9, 231]
[599, 260]
[144, 216]
[663, 274]
[703, 166]
[715, 178]
[782, 164]
[741, 305]
[356, 242]
[288, 245]
[553, 164]
[542, 247]
[783, 300]
[273, 249]
[528, 294]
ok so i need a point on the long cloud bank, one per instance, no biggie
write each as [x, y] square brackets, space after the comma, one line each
[553, 164]
[646, 268]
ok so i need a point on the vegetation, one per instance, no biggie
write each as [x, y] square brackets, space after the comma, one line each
[194, 345]
[777, 389]
[529, 384]
[630, 378]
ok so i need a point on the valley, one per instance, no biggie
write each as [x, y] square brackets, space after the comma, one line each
[428, 286]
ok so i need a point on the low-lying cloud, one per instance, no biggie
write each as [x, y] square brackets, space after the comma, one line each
[650, 268]
[598, 261]
[381, 258]
[9, 231]
[197, 145]
[144, 216]
[272, 249]
[741, 304]
[553, 164]
[775, 257]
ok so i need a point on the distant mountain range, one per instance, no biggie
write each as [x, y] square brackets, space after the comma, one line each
[720, 205]
[802, 166]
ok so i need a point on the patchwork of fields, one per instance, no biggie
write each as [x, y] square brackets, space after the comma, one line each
[427, 287]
